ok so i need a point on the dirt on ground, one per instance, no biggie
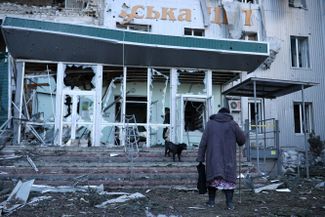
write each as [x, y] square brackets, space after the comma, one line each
[306, 198]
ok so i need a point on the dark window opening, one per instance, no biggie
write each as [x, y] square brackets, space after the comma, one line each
[298, 4]
[134, 106]
[194, 32]
[194, 116]
[2, 42]
[296, 113]
[136, 27]
[59, 3]
[79, 77]
[252, 115]
[249, 1]
[251, 36]
[299, 52]
[76, 4]
[299, 116]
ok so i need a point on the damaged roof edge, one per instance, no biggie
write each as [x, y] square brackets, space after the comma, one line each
[252, 54]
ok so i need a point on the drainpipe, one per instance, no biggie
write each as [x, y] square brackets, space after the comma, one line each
[304, 130]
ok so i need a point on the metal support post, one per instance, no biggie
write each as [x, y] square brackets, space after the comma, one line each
[256, 129]
[304, 130]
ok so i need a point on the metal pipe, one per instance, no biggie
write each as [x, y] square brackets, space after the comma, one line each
[304, 130]
[256, 135]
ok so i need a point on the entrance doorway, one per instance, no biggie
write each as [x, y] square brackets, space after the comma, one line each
[192, 113]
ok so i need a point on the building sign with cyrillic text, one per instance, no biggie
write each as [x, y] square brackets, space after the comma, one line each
[217, 14]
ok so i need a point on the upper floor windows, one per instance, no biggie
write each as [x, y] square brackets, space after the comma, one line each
[252, 36]
[299, 52]
[249, 1]
[194, 32]
[297, 4]
[132, 26]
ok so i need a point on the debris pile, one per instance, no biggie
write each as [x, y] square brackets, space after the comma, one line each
[292, 161]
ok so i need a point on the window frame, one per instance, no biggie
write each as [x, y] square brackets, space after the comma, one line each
[248, 36]
[260, 115]
[249, 1]
[134, 27]
[194, 32]
[309, 118]
[296, 60]
[291, 4]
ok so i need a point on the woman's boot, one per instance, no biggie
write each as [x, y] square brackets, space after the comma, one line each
[212, 196]
[229, 195]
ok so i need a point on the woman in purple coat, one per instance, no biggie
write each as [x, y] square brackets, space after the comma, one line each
[218, 149]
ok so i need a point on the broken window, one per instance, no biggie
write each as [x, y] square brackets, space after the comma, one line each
[111, 101]
[299, 117]
[38, 2]
[194, 32]
[132, 26]
[136, 106]
[79, 77]
[251, 36]
[78, 105]
[135, 102]
[194, 115]
[298, 4]
[159, 106]
[299, 52]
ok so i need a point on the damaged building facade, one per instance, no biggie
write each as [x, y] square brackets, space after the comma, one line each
[102, 72]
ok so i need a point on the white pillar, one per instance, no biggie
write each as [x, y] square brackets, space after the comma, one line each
[148, 106]
[208, 86]
[59, 100]
[10, 72]
[123, 110]
[173, 92]
[98, 105]
[20, 66]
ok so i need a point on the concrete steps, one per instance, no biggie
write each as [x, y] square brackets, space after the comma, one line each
[98, 165]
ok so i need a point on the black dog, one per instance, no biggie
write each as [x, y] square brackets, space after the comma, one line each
[174, 149]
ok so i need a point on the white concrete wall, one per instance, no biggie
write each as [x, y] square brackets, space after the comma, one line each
[281, 22]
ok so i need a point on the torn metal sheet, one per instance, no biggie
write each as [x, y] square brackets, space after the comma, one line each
[286, 190]
[320, 185]
[30, 161]
[195, 207]
[113, 193]
[268, 187]
[121, 199]
[181, 188]
[235, 21]
[65, 189]
[18, 196]
[34, 201]
[204, 9]
[10, 157]
[275, 46]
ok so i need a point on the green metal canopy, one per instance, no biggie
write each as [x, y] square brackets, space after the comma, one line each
[53, 41]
